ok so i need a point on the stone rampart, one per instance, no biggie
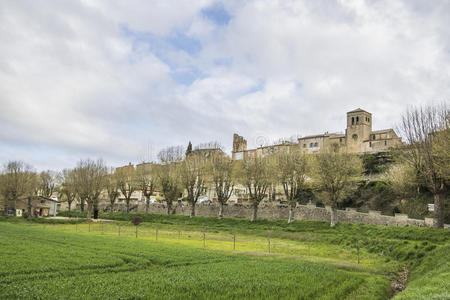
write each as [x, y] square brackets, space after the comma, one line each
[302, 212]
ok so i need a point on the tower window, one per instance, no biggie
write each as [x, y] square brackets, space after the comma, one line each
[385, 143]
[357, 120]
[316, 144]
[370, 144]
[353, 120]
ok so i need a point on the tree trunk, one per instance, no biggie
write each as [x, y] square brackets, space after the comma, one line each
[29, 207]
[5, 211]
[221, 210]
[255, 212]
[89, 208]
[82, 205]
[169, 207]
[15, 207]
[192, 210]
[128, 205]
[70, 204]
[96, 209]
[439, 209]
[333, 217]
[291, 212]
[112, 206]
[147, 204]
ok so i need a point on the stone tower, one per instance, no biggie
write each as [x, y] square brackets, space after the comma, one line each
[239, 144]
[359, 128]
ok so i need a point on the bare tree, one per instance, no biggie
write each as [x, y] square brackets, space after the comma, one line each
[67, 188]
[335, 174]
[292, 168]
[222, 177]
[127, 182]
[90, 181]
[112, 188]
[168, 174]
[192, 171]
[426, 131]
[47, 183]
[146, 181]
[255, 175]
[16, 176]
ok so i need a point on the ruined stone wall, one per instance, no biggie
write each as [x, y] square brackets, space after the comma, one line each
[302, 212]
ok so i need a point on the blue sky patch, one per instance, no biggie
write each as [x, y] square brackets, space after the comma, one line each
[217, 14]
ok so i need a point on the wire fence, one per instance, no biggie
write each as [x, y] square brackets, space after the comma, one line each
[216, 240]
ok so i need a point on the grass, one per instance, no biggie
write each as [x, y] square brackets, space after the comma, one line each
[307, 259]
[52, 263]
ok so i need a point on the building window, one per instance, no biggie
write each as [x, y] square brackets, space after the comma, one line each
[311, 145]
[304, 145]
[368, 120]
[353, 120]
[385, 143]
[316, 144]
[370, 144]
[373, 136]
[357, 120]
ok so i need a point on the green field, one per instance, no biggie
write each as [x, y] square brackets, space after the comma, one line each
[177, 257]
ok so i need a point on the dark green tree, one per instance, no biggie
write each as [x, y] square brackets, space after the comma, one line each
[189, 149]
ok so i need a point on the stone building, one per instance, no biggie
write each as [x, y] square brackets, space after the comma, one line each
[358, 138]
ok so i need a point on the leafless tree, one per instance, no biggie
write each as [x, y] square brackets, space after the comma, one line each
[16, 182]
[47, 183]
[146, 180]
[170, 155]
[67, 187]
[335, 174]
[292, 169]
[128, 184]
[112, 188]
[255, 175]
[168, 174]
[426, 132]
[192, 171]
[90, 179]
[222, 177]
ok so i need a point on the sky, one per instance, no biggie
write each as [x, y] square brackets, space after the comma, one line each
[120, 80]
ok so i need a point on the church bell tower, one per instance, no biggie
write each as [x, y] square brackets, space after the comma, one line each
[359, 127]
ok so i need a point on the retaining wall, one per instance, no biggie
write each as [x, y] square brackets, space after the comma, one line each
[302, 212]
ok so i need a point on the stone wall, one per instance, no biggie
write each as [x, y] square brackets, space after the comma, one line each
[302, 212]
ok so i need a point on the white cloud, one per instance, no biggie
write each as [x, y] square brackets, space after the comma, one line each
[74, 82]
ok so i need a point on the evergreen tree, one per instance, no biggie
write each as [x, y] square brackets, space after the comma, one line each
[189, 149]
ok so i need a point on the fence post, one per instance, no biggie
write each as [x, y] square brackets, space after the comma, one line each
[156, 233]
[119, 229]
[89, 226]
[268, 240]
[136, 231]
[102, 228]
[76, 227]
[234, 241]
[204, 239]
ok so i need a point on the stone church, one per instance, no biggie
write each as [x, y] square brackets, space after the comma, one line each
[358, 138]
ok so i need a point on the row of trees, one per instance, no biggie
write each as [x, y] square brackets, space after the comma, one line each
[332, 174]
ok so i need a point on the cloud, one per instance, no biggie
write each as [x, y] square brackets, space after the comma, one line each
[121, 80]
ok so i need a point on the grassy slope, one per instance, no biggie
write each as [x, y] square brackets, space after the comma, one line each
[384, 249]
[49, 263]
